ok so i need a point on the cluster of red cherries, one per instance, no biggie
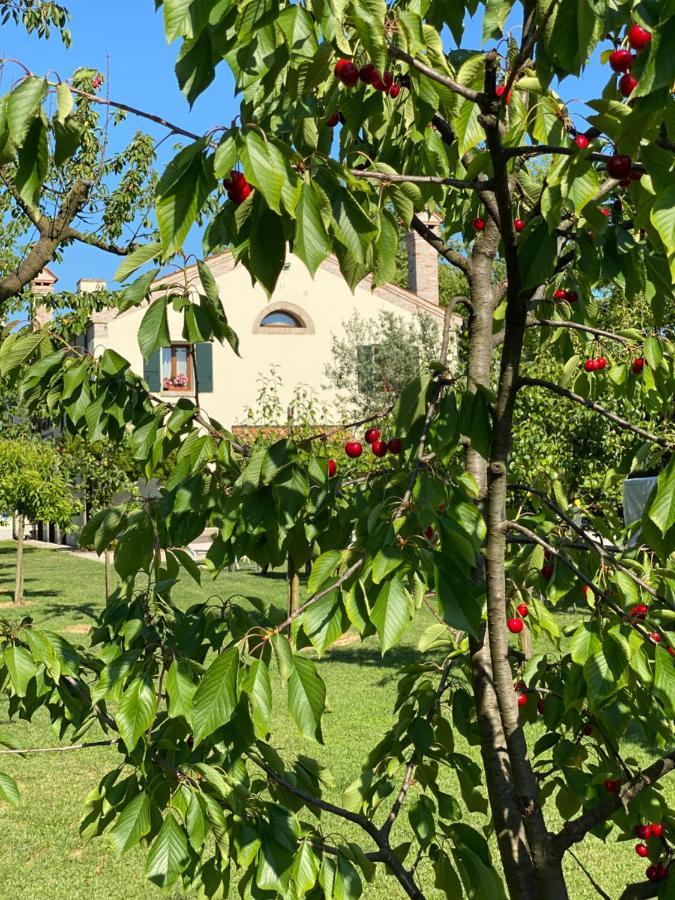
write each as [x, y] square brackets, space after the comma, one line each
[380, 448]
[516, 624]
[599, 362]
[349, 74]
[656, 872]
[639, 611]
[563, 294]
[621, 61]
[238, 188]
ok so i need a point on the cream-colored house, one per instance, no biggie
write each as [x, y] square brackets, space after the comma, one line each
[292, 331]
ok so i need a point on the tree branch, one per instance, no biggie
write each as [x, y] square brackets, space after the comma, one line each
[30, 750]
[596, 407]
[93, 241]
[577, 326]
[458, 260]
[575, 830]
[457, 88]
[392, 178]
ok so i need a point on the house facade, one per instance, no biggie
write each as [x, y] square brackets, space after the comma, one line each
[291, 332]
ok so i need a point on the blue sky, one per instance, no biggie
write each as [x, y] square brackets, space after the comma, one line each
[128, 37]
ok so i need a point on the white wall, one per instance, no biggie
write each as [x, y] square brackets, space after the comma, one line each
[301, 357]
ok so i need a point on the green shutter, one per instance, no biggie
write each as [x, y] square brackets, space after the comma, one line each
[204, 359]
[151, 371]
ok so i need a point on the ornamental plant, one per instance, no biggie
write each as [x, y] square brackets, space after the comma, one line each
[483, 138]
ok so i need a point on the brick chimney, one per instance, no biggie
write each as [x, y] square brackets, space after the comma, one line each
[423, 262]
[42, 286]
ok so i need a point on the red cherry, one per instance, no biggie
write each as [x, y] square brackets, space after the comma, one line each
[520, 686]
[621, 60]
[587, 729]
[589, 365]
[367, 72]
[394, 445]
[638, 365]
[572, 296]
[652, 873]
[584, 589]
[500, 93]
[581, 141]
[97, 81]
[346, 72]
[657, 829]
[612, 785]
[541, 707]
[333, 119]
[521, 609]
[638, 611]
[547, 554]
[353, 449]
[522, 699]
[377, 82]
[624, 183]
[634, 175]
[644, 832]
[547, 571]
[642, 850]
[671, 650]
[627, 84]
[394, 90]
[605, 211]
[601, 363]
[429, 533]
[638, 38]
[519, 225]
[560, 294]
[661, 872]
[332, 468]
[373, 434]
[515, 626]
[654, 637]
[479, 224]
[379, 448]
[619, 166]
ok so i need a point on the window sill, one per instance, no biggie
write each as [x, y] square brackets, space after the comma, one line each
[189, 394]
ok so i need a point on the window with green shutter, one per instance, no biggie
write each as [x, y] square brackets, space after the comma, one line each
[151, 371]
[204, 360]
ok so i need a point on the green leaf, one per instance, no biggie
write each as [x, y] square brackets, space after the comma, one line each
[64, 102]
[216, 697]
[154, 329]
[135, 293]
[325, 621]
[387, 559]
[661, 506]
[258, 687]
[136, 711]
[392, 613]
[168, 855]
[664, 680]
[312, 244]
[306, 697]
[24, 105]
[21, 668]
[225, 158]
[181, 192]
[323, 569]
[585, 642]
[305, 868]
[182, 19]
[132, 824]
[267, 249]
[422, 820]
[263, 170]
[9, 792]
[496, 14]
[138, 258]
[180, 688]
[538, 255]
[663, 217]
[461, 606]
[33, 163]
[353, 228]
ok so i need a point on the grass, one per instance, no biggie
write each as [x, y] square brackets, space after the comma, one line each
[41, 853]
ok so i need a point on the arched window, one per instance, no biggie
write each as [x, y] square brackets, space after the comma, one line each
[281, 318]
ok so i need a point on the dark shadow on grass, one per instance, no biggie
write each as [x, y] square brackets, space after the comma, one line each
[391, 663]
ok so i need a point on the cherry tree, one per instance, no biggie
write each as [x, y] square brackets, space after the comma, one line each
[356, 118]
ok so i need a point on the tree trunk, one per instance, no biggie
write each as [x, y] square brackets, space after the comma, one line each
[293, 587]
[18, 587]
[107, 574]
[509, 829]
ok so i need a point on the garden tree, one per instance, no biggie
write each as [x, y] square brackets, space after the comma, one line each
[373, 360]
[37, 16]
[33, 489]
[98, 470]
[58, 185]
[186, 694]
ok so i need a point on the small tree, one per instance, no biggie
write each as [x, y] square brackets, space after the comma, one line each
[32, 488]
[374, 359]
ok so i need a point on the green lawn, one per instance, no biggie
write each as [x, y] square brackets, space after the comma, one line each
[41, 854]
